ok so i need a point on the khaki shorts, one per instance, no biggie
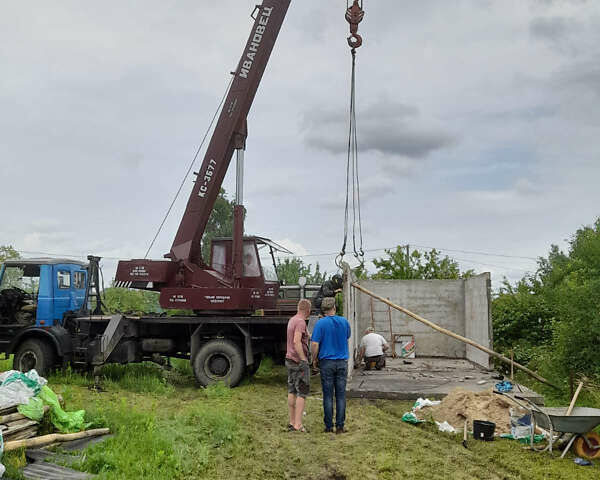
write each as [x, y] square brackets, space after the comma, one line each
[298, 378]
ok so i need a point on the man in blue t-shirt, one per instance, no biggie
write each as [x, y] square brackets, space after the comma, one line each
[330, 345]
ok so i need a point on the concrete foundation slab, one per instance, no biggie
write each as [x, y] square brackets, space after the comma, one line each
[427, 377]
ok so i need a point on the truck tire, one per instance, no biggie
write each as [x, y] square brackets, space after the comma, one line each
[219, 361]
[35, 353]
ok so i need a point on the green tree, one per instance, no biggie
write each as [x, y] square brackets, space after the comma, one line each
[123, 300]
[522, 319]
[13, 276]
[291, 269]
[572, 284]
[360, 272]
[220, 223]
[553, 316]
[7, 252]
[416, 265]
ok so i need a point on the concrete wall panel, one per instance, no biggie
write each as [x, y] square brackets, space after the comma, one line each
[461, 306]
[478, 319]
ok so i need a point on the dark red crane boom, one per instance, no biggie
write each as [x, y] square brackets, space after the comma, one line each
[230, 132]
[235, 280]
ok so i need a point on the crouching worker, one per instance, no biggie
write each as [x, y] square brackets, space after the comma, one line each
[296, 362]
[372, 348]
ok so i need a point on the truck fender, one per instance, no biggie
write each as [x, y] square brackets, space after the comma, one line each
[58, 336]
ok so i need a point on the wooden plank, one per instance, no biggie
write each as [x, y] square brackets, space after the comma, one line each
[6, 434]
[9, 409]
[27, 433]
[11, 417]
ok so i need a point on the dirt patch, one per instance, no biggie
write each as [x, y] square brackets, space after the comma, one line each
[336, 476]
[333, 475]
[461, 404]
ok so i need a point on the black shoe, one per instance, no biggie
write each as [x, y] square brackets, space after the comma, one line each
[340, 430]
[328, 430]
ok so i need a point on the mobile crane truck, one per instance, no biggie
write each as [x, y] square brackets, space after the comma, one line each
[61, 321]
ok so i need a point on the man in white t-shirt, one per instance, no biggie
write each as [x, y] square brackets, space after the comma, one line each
[372, 349]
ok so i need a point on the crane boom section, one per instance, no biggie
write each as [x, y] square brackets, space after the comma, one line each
[231, 123]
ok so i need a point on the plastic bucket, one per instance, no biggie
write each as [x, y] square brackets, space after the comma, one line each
[483, 430]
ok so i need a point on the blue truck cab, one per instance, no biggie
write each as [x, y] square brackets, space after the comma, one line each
[39, 291]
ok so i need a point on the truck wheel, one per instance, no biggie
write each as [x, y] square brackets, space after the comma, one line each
[35, 353]
[219, 361]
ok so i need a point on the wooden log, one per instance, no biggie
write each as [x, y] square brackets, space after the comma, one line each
[53, 437]
[454, 335]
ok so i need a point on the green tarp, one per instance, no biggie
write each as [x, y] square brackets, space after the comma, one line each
[64, 422]
[34, 409]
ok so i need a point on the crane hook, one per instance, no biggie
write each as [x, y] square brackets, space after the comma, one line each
[355, 15]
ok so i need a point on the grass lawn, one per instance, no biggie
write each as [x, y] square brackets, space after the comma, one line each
[166, 428]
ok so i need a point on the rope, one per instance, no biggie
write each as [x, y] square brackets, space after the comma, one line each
[352, 180]
[190, 167]
[356, 184]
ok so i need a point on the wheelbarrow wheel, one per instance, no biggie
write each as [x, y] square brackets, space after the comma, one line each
[581, 448]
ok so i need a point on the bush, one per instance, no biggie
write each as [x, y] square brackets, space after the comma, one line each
[555, 314]
[522, 320]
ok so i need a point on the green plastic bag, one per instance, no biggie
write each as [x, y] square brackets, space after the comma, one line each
[525, 440]
[65, 422]
[410, 417]
[34, 409]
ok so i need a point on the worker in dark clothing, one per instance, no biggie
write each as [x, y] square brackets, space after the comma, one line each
[329, 289]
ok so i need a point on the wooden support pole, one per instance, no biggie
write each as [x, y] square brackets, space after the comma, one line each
[390, 319]
[574, 399]
[53, 437]
[372, 316]
[453, 335]
[512, 366]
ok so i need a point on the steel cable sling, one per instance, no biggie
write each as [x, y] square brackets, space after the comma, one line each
[354, 15]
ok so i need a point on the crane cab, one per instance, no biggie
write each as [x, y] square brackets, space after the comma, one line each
[255, 274]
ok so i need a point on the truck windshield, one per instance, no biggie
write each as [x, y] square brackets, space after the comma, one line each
[26, 277]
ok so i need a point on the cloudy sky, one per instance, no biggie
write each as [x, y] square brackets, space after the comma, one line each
[478, 123]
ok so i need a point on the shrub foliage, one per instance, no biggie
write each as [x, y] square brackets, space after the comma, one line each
[555, 313]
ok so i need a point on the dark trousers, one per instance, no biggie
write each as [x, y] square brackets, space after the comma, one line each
[378, 362]
[333, 380]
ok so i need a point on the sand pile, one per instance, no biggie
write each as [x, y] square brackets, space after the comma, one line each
[461, 404]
